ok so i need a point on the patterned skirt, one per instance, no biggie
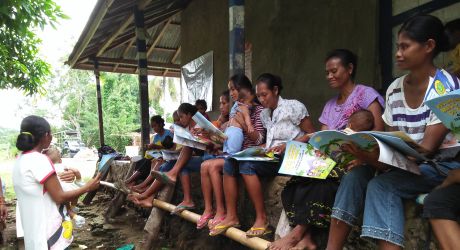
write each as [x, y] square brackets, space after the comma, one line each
[309, 201]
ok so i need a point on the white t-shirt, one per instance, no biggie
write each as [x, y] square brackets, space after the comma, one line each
[39, 213]
[412, 121]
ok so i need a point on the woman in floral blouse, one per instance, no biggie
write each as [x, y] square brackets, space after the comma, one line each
[284, 120]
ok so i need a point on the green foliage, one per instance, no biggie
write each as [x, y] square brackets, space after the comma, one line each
[20, 66]
[8, 148]
[121, 108]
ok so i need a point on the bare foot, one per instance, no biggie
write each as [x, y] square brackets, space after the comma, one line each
[306, 243]
[290, 240]
[146, 202]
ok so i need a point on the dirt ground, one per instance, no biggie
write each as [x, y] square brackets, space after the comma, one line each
[95, 234]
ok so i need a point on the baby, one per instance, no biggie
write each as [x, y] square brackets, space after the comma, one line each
[361, 120]
[55, 157]
[234, 131]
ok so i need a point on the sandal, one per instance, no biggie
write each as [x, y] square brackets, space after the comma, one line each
[222, 228]
[204, 220]
[161, 176]
[258, 231]
[213, 222]
[179, 208]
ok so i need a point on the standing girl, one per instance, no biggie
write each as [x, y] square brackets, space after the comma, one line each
[38, 190]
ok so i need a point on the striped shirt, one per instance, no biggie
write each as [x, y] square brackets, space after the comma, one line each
[257, 124]
[409, 120]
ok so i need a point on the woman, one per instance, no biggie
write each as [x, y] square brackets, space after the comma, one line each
[240, 87]
[284, 120]
[307, 201]
[420, 39]
[38, 190]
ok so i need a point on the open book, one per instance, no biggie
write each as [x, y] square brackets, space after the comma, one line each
[394, 147]
[183, 137]
[301, 159]
[255, 154]
[444, 103]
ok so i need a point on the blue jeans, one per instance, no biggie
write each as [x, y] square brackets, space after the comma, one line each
[383, 207]
[192, 166]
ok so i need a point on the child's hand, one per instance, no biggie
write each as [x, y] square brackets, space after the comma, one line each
[250, 128]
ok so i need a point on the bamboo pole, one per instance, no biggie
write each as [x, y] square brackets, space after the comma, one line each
[232, 233]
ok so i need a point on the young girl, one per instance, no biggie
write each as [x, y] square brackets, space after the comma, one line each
[420, 39]
[38, 190]
[211, 170]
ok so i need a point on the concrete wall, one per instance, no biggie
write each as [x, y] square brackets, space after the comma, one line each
[289, 38]
[446, 14]
[204, 27]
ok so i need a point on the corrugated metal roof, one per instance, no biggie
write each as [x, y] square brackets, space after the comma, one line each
[109, 37]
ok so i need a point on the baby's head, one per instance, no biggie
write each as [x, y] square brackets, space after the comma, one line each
[201, 105]
[361, 120]
[54, 155]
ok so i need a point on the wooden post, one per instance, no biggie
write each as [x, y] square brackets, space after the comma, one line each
[236, 36]
[99, 103]
[143, 80]
[153, 224]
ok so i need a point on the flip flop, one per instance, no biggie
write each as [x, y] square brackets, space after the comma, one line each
[203, 221]
[213, 222]
[179, 208]
[222, 228]
[252, 231]
[161, 176]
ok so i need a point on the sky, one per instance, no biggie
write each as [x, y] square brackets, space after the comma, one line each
[56, 45]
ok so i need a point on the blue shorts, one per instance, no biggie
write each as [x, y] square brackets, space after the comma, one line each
[234, 141]
[192, 166]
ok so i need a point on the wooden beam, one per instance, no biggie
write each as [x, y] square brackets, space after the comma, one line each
[425, 8]
[99, 103]
[232, 233]
[175, 55]
[158, 38]
[134, 62]
[122, 27]
[93, 23]
[127, 69]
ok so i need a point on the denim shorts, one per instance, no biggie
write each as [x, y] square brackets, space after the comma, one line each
[192, 166]
[381, 198]
[261, 168]
[443, 203]
[234, 142]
